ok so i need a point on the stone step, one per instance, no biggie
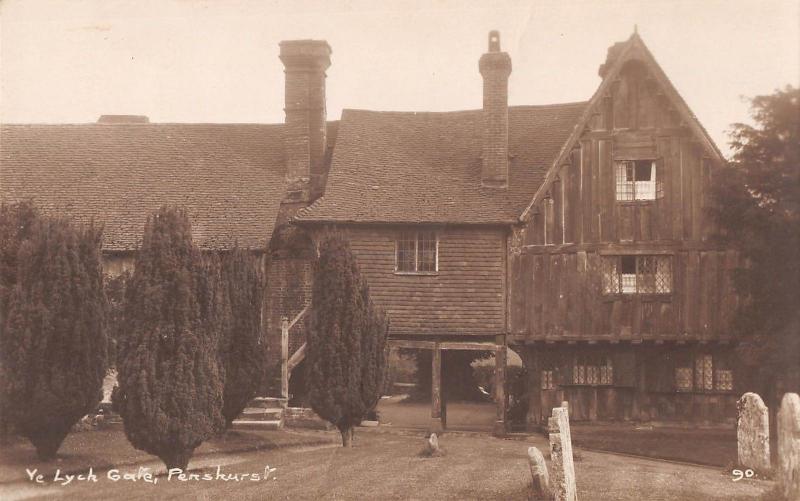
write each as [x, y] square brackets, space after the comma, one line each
[268, 402]
[262, 414]
[258, 424]
[302, 417]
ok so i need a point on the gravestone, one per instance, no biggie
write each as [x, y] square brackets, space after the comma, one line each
[789, 446]
[563, 470]
[752, 433]
[433, 443]
[540, 480]
[432, 448]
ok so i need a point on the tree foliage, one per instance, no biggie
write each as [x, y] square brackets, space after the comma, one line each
[53, 342]
[242, 348]
[115, 293]
[170, 383]
[758, 212]
[346, 354]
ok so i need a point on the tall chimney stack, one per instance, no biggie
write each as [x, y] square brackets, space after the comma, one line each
[305, 62]
[495, 67]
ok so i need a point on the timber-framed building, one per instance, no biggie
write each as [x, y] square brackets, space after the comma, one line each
[574, 234]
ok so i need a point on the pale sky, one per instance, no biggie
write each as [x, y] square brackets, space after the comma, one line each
[217, 61]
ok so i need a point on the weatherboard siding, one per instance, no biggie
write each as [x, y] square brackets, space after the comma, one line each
[465, 297]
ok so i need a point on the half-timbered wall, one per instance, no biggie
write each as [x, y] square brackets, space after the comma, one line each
[561, 308]
[557, 274]
[466, 296]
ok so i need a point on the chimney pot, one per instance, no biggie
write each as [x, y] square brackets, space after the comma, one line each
[494, 41]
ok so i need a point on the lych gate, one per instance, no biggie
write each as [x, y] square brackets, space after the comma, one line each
[497, 346]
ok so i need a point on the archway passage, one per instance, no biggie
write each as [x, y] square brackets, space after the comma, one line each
[438, 406]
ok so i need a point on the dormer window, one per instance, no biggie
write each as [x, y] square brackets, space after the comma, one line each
[638, 180]
[417, 252]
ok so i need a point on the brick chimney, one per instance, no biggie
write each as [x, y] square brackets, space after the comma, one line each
[495, 67]
[305, 62]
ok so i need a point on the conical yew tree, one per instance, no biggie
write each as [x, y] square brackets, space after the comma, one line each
[242, 350]
[170, 384]
[346, 342]
[53, 343]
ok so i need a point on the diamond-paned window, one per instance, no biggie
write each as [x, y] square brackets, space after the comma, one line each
[592, 370]
[637, 274]
[683, 378]
[705, 375]
[724, 379]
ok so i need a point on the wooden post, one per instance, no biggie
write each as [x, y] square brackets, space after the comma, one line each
[284, 357]
[500, 389]
[534, 388]
[437, 425]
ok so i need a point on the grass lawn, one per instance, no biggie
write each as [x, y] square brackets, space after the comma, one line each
[715, 447]
[387, 466]
[102, 449]
[701, 446]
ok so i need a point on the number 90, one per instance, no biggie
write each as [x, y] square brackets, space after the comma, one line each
[739, 474]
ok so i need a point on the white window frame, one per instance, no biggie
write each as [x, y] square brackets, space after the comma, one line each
[416, 270]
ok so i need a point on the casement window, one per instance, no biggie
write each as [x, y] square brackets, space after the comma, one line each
[703, 376]
[638, 180]
[417, 252]
[637, 274]
[548, 381]
[592, 370]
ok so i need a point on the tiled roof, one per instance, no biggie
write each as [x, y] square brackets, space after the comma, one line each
[398, 167]
[230, 177]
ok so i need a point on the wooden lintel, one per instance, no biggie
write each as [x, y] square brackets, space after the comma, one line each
[408, 343]
[614, 341]
[636, 341]
[456, 345]
[571, 341]
[592, 341]
[681, 341]
[659, 341]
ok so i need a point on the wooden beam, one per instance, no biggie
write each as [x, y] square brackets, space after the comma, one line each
[500, 390]
[297, 357]
[457, 345]
[407, 343]
[299, 316]
[284, 357]
[437, 425]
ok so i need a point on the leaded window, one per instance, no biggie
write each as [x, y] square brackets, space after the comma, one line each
[637, 180]
[592, 370]
[548, 383]
[637, 274]
[683, 378]
[417, 252]
[705, 375]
